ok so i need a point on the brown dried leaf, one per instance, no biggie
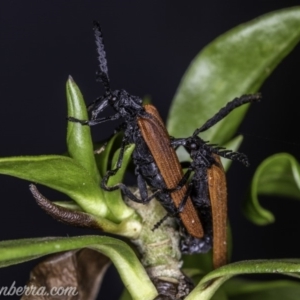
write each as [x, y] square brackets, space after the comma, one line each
[79, 272]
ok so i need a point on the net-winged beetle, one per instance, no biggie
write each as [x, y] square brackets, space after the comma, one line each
[207, 186]
[156, 162]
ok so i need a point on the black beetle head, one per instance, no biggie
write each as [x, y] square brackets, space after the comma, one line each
[193, 143]
[124, 103]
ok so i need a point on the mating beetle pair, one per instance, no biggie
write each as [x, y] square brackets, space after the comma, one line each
[200, 205]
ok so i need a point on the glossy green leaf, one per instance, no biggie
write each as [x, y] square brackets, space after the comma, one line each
[128, 265]
[105, 152]
[240, 289]
[212, 281]
[278, 175]
[234, 64]
[60, 173]
[114, 199]
[79, 141]
[276, 293]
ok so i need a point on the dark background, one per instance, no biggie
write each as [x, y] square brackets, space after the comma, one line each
[149, 46]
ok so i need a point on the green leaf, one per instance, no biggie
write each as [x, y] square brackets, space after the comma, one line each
[276, 293]
[68, 205]
[212, 281]
[104, 158]
[197, 264]
[79, 141]
[128, 265]
[236, 63]
[114, 199]
[219, 295]
[240, 289]
[60, 173]
[278, 175]
[125, 295]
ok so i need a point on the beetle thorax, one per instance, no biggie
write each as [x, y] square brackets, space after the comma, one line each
[126, 105]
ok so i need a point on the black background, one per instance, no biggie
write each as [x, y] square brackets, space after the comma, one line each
[149, 46]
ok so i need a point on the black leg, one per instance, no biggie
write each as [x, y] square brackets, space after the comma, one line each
[181, 183]
[158, 224]
[114, 171]
[91, 106]
[184, 200]
[142, 186]
[178, 210]
[94, 122]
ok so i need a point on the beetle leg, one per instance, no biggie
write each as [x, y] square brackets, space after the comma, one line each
[94, 103]
[178, 210]
[158, 224]
[94, 122]
[141, 183]
[175, 143]
[114, 171]
[180, 184]
[183, 201]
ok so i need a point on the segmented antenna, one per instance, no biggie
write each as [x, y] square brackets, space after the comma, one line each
[102, 75]
[223, 112]
[241, 157]
[229, 154]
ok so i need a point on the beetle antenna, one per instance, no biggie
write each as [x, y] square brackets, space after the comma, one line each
[229, 154]
[223, 112]
[102, 74]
